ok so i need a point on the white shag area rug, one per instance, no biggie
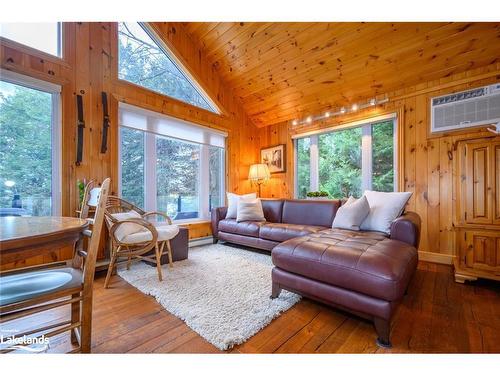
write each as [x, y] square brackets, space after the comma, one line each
[221, 292]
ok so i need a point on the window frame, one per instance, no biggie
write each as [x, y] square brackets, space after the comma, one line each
[56, 129]
[150, 175]
[366, 152]
[176, 61]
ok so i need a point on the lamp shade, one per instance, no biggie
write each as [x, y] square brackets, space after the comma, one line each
[259, 172]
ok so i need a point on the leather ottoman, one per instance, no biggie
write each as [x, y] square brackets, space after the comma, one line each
[180, 246]
[365, 273]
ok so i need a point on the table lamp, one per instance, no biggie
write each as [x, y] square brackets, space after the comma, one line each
[259, 173]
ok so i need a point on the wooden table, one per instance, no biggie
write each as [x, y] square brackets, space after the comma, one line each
[27, 241]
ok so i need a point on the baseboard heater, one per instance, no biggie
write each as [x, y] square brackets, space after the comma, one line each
[201, 241]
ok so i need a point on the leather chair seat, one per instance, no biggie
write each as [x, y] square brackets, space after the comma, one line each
[366, 262]
[29, 285]
[243, 228]
[281, 232]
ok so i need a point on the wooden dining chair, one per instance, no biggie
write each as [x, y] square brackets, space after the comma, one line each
[90, 200]
[29, 293]
[133, 237]
[83, 213]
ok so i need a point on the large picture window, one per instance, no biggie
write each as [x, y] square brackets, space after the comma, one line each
[347, 161]
[170, 165]
[145, 61]
[29, 146]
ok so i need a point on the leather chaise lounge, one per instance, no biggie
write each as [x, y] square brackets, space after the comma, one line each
[364, 273]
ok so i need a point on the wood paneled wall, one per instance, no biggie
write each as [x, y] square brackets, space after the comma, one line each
[89, 66]
[427, 170]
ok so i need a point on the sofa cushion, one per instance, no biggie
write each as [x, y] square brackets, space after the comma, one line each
[126, 229]
[310, 212]
[245, 228]
[384, 209]
[366, 262]
[250, 210]
[281, 232]
[351, 214]
[255, 242]
[165, 232]
[232, 203]
[273, 209]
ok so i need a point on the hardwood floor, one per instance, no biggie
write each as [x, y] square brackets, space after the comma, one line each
[437, 316]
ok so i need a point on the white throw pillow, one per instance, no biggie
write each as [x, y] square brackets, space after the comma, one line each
[351, 214]
[384, 209]
[250, 210]
[232, 203]
[350, 200]
[127, 228]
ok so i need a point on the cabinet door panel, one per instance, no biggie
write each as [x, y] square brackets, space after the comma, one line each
[483, 250]
[496, 175]
[478, 183]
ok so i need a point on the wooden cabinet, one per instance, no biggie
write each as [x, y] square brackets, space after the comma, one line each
[496, 179]
[478, 255]
[478, 210]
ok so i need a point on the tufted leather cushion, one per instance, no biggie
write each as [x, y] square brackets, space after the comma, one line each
[310, 212]
[366, 262]
[281, 232]
[245, 228]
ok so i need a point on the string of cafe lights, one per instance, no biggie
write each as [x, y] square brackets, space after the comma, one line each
[340, 111]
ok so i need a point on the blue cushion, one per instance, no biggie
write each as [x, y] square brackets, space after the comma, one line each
[28, 285]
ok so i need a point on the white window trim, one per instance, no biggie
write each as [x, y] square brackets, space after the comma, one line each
[56, 139]
[150, 177]
[314, 163]
[204, 182]
[366, 157]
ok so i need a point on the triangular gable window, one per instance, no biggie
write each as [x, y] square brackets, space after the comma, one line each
[143, 60]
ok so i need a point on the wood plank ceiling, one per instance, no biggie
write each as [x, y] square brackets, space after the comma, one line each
[285, 71]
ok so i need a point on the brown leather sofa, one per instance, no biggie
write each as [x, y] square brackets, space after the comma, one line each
[365, 273]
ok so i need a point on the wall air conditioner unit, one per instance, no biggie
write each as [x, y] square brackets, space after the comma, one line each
[465, 109]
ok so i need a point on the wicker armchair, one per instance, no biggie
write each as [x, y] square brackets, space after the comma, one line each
[148, 236]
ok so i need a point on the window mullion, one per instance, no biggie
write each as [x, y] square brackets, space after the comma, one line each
[150, 172]
[204, 182]
[314, 163]
[366, 157]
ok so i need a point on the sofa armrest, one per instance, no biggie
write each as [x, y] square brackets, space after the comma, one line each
[217, 215]
[406, 228]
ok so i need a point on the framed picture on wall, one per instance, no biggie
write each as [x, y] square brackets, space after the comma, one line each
[274, 157]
